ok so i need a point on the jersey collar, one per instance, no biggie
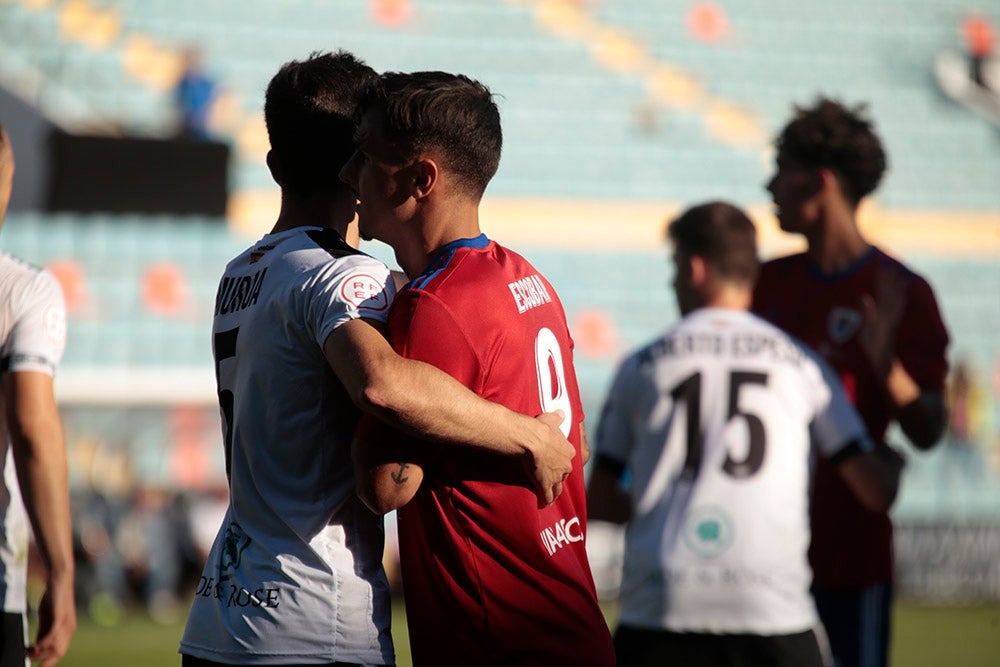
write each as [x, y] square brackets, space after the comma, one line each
[476, 242]
[444, 256]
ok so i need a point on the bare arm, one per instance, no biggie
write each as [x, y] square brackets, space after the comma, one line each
[606, 501]
[873, 477]
[386, 479]
[423, 400]
[40, 459]
[921, 413]
[388, 475]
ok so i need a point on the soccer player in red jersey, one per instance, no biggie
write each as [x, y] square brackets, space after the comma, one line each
[488, 577]
[878, 324]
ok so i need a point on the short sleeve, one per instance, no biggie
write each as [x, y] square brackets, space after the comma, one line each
[38, 338]
[355, 287]
[922, 338]
[615, 436]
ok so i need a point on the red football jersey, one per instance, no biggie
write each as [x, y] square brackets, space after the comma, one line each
[489, 578]
[851, 545]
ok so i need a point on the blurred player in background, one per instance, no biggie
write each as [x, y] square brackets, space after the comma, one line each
[35, 476]
[488, 577]
[295, 573]
[714, 422]
[878, 324]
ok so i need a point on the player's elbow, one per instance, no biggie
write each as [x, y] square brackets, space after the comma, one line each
[382, 494]
[928, 436]
[372, 500]
[877, 498]
[874, 479]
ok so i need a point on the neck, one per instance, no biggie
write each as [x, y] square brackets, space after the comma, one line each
[438, 225]
[321, 210]
[731, 296]
[837, 242]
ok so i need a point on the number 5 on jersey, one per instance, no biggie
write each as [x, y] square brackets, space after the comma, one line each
[688, 393]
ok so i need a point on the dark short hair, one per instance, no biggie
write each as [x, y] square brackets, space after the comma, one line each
[309, 111]
[438, 111]
[833, 136]
[723, 235]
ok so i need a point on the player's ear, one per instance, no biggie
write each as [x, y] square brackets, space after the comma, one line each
[699, 270]
[425, 177]
[823, 179]
[274, 166]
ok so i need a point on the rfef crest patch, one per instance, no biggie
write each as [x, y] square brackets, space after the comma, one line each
[364, 291]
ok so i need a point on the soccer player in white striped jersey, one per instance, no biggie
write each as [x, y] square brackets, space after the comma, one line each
[714, 422]
[33, 451]
[295, 573]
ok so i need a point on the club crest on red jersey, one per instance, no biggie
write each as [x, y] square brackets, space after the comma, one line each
[843, 323]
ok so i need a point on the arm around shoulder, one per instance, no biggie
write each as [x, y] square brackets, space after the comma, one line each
[423, 400]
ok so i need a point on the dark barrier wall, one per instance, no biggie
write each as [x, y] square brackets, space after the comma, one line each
[28, 132]
[122, 174]
[948, 561]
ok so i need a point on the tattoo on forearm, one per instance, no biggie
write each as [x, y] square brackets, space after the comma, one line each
[399, 476]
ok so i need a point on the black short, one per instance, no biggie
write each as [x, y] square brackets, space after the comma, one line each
[12, 640]
[191, 661]
[637, 647]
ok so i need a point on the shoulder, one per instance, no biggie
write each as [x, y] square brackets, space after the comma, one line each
[784, 264]
[25, 284]
[776, 273]
[917, 286]
[481, 269]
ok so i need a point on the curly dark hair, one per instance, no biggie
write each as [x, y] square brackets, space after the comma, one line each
[450, 113]
[833, 136]
[309, 110]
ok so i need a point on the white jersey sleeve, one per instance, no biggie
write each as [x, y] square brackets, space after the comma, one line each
[355, 287]
[36, 328]
[616, 430]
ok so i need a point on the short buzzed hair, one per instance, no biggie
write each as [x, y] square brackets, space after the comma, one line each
[309, 111]
[723, 235]
[449, 113]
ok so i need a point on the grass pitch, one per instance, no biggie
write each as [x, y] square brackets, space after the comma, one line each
[923, 636]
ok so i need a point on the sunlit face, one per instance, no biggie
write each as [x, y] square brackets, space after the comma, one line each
[381, 180]
[793, 190]
[6, 175]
